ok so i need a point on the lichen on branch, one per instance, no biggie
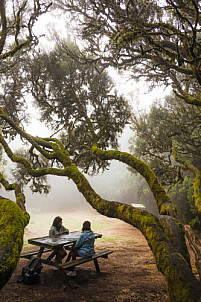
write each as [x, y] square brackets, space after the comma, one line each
[164, 204]
[196, 181]
[13, 219]
[165, 237]
[12, 223]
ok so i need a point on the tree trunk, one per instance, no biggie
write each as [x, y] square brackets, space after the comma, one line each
[164, 234]
[195, 245]
[12, 223]
[165, 238]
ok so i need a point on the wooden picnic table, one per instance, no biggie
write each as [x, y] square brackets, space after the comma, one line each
[53, 244]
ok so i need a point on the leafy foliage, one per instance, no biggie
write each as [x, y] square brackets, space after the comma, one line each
[177, 124]
[158, 40]
[22, 177]
[173, 123]
[12, 99]
[17, 21]
[77, 101]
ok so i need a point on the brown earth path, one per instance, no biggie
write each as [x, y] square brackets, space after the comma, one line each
[129, 274]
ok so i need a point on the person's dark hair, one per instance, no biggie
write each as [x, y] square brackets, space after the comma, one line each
[86, 226]
[56, 222]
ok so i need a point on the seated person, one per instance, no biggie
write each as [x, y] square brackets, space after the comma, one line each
[84, 246]
[58, 229]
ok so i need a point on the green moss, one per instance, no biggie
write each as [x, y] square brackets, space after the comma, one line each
[12, 224]
[163, 201]
[168, 260]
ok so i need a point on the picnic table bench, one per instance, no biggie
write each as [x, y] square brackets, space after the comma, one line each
[52, 244]
[29, 255]
[72, 264]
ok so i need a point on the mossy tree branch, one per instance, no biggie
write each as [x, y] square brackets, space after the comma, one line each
[13, 219]
[196, 182]
[164, 204]
[20, 197]
[12, 223]
[17, 26]
[36, 142]
[194, 243]
[164, 235]
[28, 166]
[3, 33]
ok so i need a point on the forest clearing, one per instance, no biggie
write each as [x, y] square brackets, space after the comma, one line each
[129, 274]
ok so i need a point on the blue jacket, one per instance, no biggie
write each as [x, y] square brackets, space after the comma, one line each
[85, 244]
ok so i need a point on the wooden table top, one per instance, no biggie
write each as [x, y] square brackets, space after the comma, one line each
[57, 241]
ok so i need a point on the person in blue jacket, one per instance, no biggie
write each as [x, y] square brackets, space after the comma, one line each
[84, 246]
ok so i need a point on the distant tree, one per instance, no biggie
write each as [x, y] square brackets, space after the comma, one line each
[167, 124]
[171, 123]
[182, 196]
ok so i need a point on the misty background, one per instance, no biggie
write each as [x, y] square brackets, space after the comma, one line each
[117, 183]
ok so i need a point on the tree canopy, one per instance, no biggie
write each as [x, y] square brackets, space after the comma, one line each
[154, 39]
[78, 102]
[168, 125]
[17, 21]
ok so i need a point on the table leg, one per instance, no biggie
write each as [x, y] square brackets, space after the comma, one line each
[51, 255]
[59, 257]
[69, 254]
[40, 252]
[96, 265]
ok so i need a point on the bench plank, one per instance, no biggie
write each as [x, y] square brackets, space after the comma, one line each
[76, 262]
[70, 264]
[32, 253]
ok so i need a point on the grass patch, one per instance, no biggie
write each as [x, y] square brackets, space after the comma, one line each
[116, 239]
[72, 225]
[29, 247]
[40, 224]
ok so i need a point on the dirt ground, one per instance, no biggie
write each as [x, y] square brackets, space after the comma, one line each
[129, 273]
